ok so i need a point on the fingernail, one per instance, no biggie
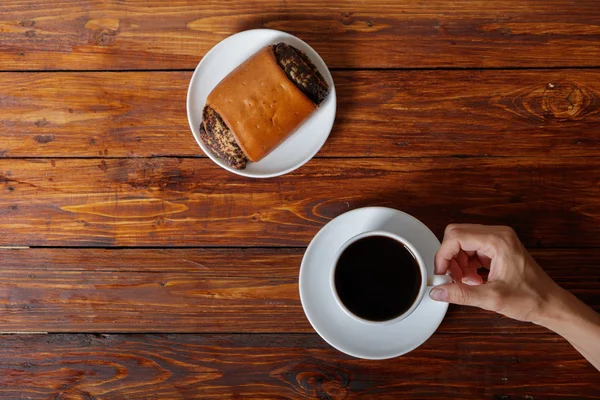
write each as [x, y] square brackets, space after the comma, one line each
[438, 294]
[470, 281]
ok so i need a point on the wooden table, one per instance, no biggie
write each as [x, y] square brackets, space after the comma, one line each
[134, 267]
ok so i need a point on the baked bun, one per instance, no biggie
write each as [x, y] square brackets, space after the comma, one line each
[260, 103]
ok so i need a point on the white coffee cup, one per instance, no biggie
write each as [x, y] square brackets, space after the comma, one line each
[428, 281]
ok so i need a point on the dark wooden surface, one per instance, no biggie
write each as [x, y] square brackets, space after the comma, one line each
[142, 34]
[280, 366]
[540, 112]
[178, 202]
[209, 290]
[148, 272]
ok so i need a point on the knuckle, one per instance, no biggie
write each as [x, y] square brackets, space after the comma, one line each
[508, 234]
[450, 229]
[455, 232]
[504, 240]
[495, 241]
[513, 241]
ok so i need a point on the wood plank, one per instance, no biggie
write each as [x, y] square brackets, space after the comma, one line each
[380, 114]
[551, 202]
[140, 34]
[208, 290]
[288, 366]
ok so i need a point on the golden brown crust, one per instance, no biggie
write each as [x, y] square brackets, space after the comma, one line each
[260, 105]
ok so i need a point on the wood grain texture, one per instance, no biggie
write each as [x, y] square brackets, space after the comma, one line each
[140, 34]
[380, 114]
[72, 174]
[552, 202]
[288, 367]
[208, 290]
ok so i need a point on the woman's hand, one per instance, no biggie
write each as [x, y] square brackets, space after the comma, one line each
[516, 285]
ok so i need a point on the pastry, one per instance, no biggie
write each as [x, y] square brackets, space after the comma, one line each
[260, 103]
[221, 140]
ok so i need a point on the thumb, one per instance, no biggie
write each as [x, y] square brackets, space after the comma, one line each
[459, 293]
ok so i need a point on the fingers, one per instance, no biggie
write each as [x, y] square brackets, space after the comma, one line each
[464, 269]
[459, 293]
[462, 258]
[462, 240]
[455, 271]
[470, 274]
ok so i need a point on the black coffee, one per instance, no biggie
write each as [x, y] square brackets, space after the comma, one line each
[377, 278]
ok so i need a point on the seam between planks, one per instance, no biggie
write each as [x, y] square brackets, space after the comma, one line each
[441, 68]
[97, 333]
[317, 157]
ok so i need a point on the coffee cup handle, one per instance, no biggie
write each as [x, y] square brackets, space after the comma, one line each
[435, 280]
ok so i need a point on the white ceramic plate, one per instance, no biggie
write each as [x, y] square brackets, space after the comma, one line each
[301, 146]
[375, 342]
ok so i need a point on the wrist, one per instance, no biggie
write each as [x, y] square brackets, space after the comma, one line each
[555, 309]
[563, 312]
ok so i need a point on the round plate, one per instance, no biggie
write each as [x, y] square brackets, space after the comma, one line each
[297, 149]
[352, 337]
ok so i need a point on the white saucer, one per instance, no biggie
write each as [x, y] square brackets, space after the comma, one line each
[301, 146]
[329, 320]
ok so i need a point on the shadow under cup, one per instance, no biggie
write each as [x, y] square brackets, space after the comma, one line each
[378, 278]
